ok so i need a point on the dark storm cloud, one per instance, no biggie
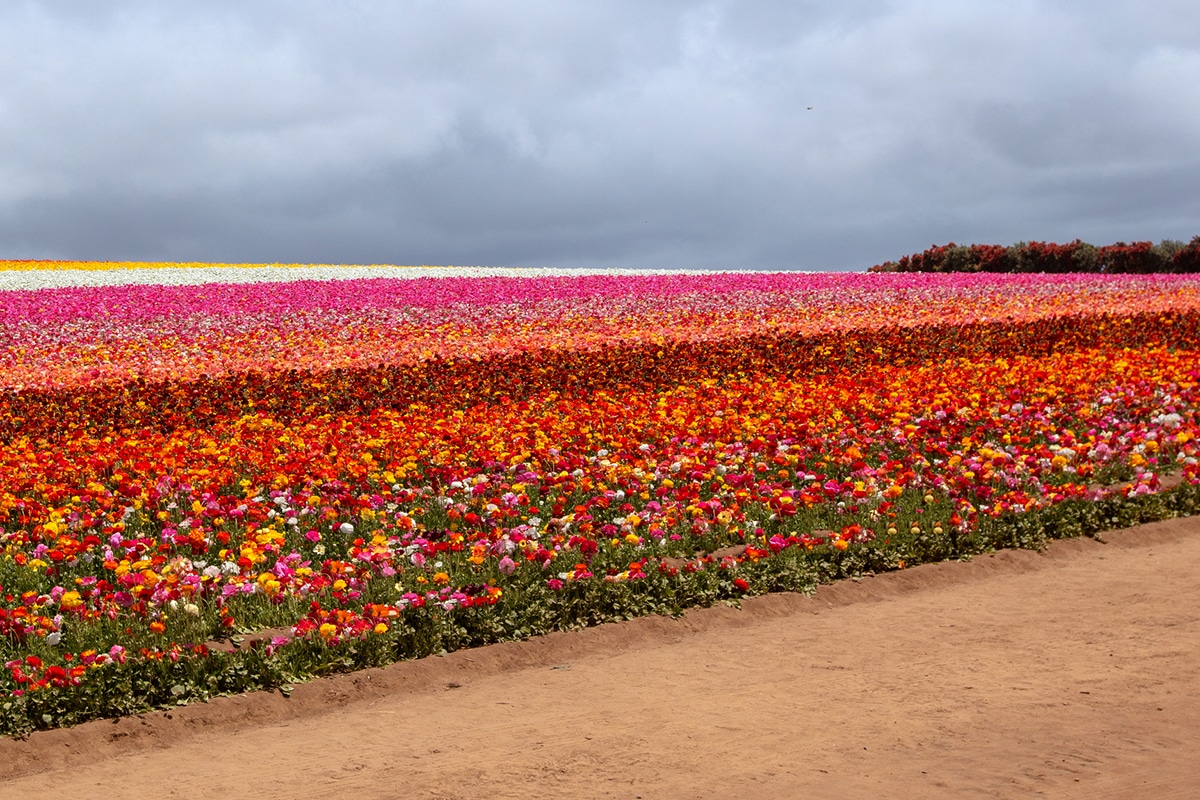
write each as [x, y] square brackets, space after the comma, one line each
[667, 134]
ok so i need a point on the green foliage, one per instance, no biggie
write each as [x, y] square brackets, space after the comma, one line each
[1169, 255]
[150, 680]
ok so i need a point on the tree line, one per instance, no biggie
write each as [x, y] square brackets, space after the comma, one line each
[1169, 255]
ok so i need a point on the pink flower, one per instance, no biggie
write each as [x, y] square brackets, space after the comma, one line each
[507, 566]
[555, 584]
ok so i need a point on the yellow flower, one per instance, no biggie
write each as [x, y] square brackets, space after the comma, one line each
[441, 577]
[327, 630]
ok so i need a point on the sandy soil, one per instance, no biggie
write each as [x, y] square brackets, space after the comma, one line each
[1070, 673]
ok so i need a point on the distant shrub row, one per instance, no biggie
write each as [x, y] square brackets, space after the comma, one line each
[1138, 257]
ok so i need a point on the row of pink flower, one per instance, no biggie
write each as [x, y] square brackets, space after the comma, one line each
[74, 337]
[143, 303]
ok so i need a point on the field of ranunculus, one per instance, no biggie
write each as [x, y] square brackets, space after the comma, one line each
[218, 479]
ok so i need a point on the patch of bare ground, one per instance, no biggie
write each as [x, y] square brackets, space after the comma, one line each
[1074, 672]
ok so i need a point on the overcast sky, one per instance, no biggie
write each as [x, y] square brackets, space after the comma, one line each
[604, 133]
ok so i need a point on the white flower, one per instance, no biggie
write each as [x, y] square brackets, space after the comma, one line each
[346, 528]
[171, 275]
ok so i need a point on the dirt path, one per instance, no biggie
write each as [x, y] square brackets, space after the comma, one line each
[1072, 673]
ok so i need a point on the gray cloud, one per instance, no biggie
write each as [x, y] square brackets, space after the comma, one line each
[668, 134]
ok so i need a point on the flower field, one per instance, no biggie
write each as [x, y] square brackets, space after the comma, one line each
[217, 479]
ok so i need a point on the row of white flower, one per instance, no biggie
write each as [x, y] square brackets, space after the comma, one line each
[194, 275]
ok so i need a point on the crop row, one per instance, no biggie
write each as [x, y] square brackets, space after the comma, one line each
[340, 516]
